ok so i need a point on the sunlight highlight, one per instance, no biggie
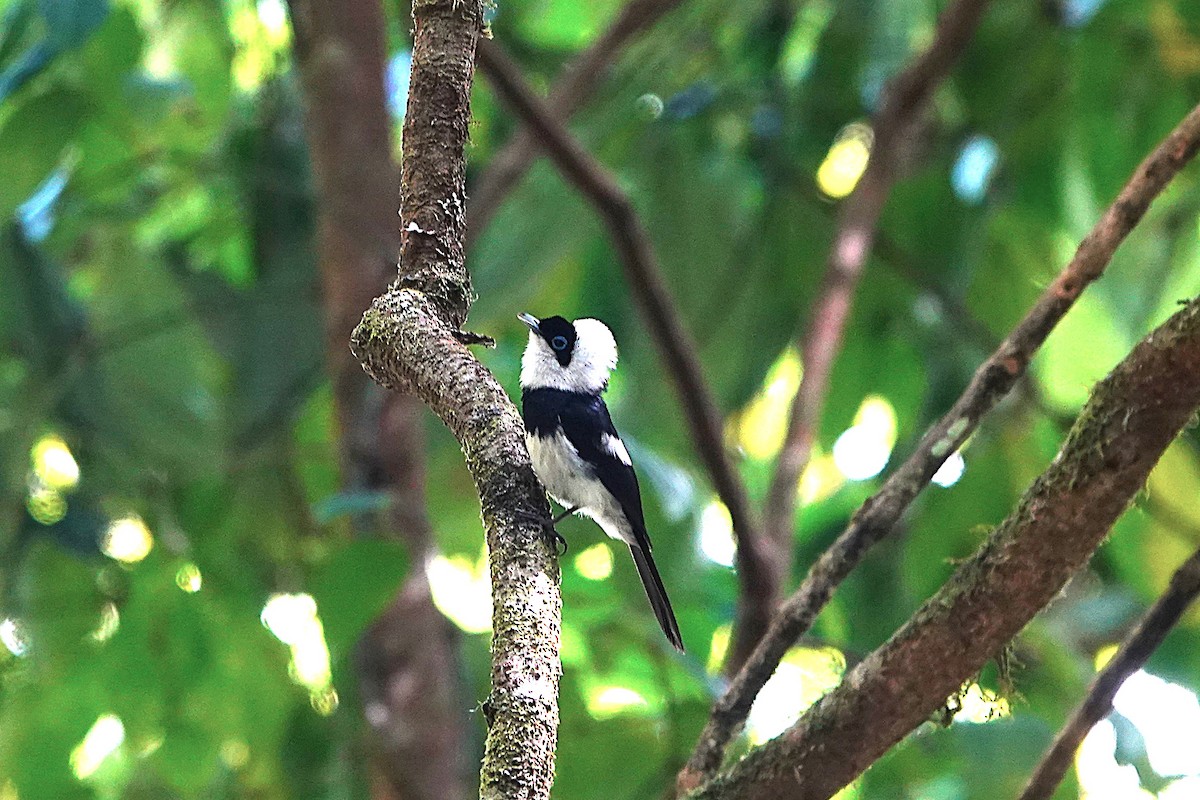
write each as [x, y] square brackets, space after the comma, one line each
[127, 540]
[188, 578]
[1168, 717]
[1100, 776]
[863, 450]
[846, 161]
[46, 506]
[12, 636]
[105, 736]
[979, 705]
[294, 620]
[604, 702]
[53, 465]
[462, 591]
[950, 471]
[716, 534]
[760, 427]
[805, 675]
[718, 648]
[595, 563]
[110, 621]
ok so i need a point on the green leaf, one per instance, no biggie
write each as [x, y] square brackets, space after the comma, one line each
[32, 138]
[71, 22]
[353, 587]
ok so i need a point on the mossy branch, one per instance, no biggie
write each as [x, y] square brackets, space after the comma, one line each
[1131, 418]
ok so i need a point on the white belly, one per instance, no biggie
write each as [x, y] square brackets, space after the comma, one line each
[570, 481]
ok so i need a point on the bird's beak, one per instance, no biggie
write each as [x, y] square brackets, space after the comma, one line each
[531, 321]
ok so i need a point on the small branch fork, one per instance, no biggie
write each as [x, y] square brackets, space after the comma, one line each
[992, 381]
[1135, 651]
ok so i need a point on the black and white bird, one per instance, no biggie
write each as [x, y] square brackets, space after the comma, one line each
[577, 453]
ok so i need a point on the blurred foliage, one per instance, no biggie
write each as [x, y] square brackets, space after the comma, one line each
[161, 368]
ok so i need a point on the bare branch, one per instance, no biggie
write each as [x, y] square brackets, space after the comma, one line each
[1135, 651]
[901, 108]
[992, 381]
[411, 338]
[759, 589]
[1131, 418]
[579, 80]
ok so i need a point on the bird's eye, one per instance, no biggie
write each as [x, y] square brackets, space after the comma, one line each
[559, 343]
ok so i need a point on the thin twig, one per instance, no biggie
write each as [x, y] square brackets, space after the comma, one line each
[1135, 651]
[579, 80]
[991, 381]
[758, 592]
[901, 109]
[1130, 419]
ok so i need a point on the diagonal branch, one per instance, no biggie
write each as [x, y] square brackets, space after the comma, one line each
[1135, 651]
[411, 337]
[992, 381]
[901, 109]
[1131, 418]
[579, 80]
[758, 589]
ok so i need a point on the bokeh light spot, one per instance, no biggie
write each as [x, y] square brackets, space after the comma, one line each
[863, 450]
[294, 620]
[101, 741]
[804, 676]
[608, 701]
[53, 465]
[12, 636]
[762, 424]
[595, 563]
[950, 471]
[462, 590]
[846, 161]
[46, 506]
[716, 534]
[188, 578]
[972, 172]
[127, 540]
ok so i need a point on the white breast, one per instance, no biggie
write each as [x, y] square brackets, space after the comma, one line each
[570, 481]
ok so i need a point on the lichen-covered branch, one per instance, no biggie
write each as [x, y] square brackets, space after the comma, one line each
[411, 337]
[1131, 418]
[578, 81]
[992, 381]
[757, 581]
[1133, 654]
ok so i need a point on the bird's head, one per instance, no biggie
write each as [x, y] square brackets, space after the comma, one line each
[576, 356]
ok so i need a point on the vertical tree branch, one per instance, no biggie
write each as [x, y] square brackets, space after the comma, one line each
[578, 81]
[1135, 651]
[411, 337]
[406, 661]
[992, 381]
[1131, 418]
[900, 111]
[758, 583]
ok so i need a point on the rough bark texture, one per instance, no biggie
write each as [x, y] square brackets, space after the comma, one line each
[411, 338]
[758, 586]
[578, 82]
[1131, 418]
[1135, 651]
[992, 381]
[407, 660]
[901, 110]
[404, 340]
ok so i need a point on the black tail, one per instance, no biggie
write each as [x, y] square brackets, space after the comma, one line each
[657, 594]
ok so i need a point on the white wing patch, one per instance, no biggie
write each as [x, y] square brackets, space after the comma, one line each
[617, 448]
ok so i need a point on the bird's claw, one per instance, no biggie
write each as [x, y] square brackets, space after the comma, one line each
[546, 523]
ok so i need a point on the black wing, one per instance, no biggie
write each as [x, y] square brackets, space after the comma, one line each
[586, 424]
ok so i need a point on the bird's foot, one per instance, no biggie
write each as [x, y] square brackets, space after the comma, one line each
[547, 523]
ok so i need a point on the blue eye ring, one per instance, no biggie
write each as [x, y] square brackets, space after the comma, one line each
[559, 343]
